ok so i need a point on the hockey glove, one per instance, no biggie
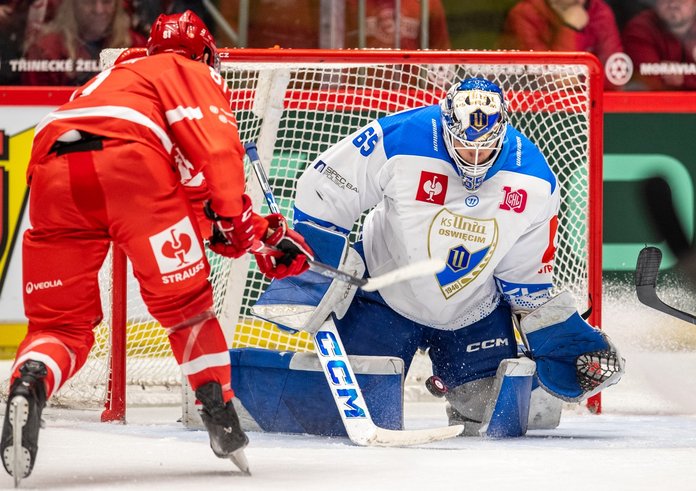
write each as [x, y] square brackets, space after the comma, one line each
[292, 252]
[574, 360]
[233, 237]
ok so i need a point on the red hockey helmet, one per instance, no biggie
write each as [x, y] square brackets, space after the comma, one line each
[185, 34]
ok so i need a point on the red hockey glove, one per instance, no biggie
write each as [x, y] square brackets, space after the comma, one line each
[292, 252]
[233, 237]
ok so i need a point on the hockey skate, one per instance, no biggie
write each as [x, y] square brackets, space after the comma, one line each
[227, 439]
[23, 420]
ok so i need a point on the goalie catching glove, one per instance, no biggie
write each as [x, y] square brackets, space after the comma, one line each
[574, 360]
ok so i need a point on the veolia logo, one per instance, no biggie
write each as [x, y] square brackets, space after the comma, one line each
[43, 285]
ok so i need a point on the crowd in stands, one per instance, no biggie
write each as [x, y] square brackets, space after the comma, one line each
[57, 42]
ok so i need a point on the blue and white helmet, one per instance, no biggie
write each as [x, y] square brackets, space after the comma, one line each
[474, 119]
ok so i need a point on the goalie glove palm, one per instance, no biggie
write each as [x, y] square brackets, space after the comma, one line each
[234, 237]
[291, 251]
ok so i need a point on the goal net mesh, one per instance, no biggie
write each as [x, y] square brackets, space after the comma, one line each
[294, 111]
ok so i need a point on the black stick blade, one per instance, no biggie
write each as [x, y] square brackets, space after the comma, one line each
[647, 267]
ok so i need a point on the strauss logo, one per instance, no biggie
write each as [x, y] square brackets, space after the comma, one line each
[432, 188]
[178, 247]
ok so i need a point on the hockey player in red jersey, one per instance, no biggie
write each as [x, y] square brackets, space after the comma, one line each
[130, 160]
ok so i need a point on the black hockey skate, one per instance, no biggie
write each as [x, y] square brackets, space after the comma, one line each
[227, 439]
[23, 420]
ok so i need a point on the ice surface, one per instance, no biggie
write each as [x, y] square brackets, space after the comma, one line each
[644, 440]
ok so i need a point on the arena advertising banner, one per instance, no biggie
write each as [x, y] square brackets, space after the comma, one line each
[16, 133]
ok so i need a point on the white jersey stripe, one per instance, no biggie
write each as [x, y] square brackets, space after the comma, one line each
[177, 114]
[116, 112]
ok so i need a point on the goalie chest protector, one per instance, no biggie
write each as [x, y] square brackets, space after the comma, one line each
[287, 392]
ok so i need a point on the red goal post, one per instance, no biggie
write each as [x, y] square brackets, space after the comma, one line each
[295, 104]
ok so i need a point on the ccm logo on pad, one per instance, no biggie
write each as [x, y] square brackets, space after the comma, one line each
[487, 344]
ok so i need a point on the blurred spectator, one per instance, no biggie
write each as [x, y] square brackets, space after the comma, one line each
[296, 24]
[13, 17]
[380, 24]
[625, 10]
[40, 13]
[662, 44]
[144, 12]
[563, 25]
[66, 52]
[284, 23]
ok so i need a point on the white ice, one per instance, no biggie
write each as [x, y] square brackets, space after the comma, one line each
[645, 439]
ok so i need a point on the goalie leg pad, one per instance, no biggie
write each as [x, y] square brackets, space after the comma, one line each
[287, 392]
[574, 360]
[507, 412]
[467, 404]
[544, 410]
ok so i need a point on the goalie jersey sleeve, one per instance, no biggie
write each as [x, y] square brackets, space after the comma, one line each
[176, 106]
[497, 241]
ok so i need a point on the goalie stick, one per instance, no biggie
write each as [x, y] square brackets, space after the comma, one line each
[647, 269]
[338, 371]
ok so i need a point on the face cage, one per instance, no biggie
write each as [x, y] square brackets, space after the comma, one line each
[473, 174]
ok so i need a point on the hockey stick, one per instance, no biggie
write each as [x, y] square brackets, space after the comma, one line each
[339, 374]
[415, 270]
[647, 269]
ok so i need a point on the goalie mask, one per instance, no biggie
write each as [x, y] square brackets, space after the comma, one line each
[474, 121]
[185, 34]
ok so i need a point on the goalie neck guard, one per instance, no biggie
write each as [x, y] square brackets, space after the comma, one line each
[185, 34]
[474, 121]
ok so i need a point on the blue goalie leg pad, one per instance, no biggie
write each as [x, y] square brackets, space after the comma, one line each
[507, 414]
[287, 392]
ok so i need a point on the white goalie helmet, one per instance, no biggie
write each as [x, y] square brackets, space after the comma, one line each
[474, 121]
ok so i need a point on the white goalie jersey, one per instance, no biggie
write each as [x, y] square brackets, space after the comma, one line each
[497, 240]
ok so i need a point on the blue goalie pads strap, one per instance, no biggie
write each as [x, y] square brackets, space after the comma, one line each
[287, 392]
[507, 414]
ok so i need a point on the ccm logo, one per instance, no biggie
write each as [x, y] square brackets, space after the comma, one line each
[487, 344]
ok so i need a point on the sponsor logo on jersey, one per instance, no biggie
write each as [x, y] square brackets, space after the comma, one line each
[176, 249]
[31, 286]
[432, 188]
[471, 201]
[514, 200]
[522, 289]
[333, 176]
[223, 116]
[468, 243]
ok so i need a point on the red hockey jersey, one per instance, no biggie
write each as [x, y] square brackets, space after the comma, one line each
[175, 106]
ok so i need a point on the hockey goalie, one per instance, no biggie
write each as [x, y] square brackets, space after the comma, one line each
[455, 181]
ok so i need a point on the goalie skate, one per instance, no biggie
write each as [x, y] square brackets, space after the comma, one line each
[227, 439]
[20, 432]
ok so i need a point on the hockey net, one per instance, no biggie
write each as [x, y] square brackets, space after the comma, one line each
[296, 104]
